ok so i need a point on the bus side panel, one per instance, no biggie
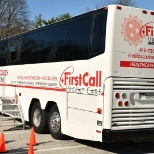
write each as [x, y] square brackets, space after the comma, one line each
[82, 128]
[82, 102]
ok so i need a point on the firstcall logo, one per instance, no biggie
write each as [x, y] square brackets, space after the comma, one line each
[69, 78]
[148, 31]
[134, 31]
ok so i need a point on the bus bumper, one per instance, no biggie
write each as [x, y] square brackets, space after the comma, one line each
[127, 135]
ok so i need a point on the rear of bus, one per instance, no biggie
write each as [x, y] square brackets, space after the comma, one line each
[129, 113]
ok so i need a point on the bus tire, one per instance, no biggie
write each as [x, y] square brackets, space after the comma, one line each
[54, 123]
[39, 119]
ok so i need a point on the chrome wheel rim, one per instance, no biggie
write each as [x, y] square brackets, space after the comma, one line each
[55, 122]
[37, 117]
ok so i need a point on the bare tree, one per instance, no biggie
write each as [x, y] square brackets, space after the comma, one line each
[125, 2]
[97, 6]
[14, 17]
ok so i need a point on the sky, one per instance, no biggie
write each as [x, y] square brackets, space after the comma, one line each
[53, 8]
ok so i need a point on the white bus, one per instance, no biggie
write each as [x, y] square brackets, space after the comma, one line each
[90, 77]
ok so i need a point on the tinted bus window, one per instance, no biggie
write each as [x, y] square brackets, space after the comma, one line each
[52, 44]
[13, 55]
[31, 48]
[99, 31]
[77, 39]
[3, 52]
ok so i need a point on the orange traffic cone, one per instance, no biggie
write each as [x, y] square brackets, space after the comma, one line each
[2, 143]
[32, 137]
[31, 150]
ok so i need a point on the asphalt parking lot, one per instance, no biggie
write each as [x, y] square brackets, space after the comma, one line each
[16, 141]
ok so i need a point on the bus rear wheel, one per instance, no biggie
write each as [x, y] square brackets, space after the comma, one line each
[39, 119]
[54, 123]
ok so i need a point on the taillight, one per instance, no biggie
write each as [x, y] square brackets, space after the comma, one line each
[122, 99]
[126, 103]
[120, 104]
[117, 95]
[124, 95]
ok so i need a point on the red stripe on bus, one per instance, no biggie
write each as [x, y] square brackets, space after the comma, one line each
[136, 64]
[33, 87]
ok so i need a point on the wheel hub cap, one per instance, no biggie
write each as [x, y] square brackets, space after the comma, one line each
[37, 117]
[55, 121]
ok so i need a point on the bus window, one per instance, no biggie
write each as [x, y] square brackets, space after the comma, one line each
[98, 38]
[13, 54]
[52, 44]
[30, 48]
[77, 39]
[3, 52]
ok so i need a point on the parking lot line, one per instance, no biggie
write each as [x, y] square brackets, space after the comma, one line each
[70, 147]
[53, 149]
[21, 132]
